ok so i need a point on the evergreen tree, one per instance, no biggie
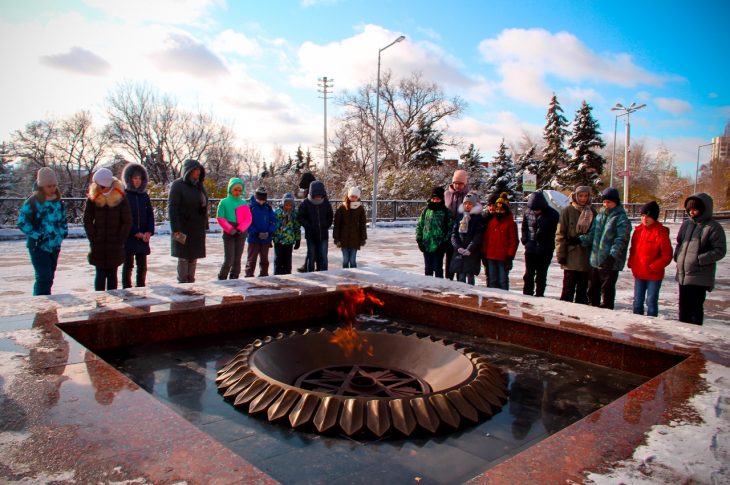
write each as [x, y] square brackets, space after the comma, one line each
[586, 165]
[554, 155]
[299, 158]
[472, 163]
[308, 160]
[286, 167]
[502, 177]
[526, 162]
[265, 172]
[426, 143]
[6, 172]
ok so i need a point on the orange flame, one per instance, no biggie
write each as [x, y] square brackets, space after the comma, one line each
[346, 337]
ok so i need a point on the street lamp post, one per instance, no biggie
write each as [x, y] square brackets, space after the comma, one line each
[697, 167]
[613, 157]
[626, 111]
[377, 126]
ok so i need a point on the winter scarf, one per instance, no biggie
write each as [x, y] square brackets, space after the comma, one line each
[227, 207]
[586, 214]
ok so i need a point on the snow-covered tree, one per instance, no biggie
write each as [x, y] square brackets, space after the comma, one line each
[586, 165]
[308, 160]
[472, 163]
[502, 177]
[554, 155]
[6, 173]
[300, 165]
[425, 144]
[526, 162]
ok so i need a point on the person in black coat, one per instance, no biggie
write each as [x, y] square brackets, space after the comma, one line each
[188, 214]
[539, 226]
[137, 245]
[315, 216]
[466, 239]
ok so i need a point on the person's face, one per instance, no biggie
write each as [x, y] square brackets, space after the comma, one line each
[195, 174]
[491, 208]
[583, 198]
[49, 190]
[468, 206]
[288, 207]
[538, 211]
[499, 210]
[317, 197]
[236, 191]
[354, 198]
[647, 220]
[261, 201]
[458, 185]
[136, 181]
[436, 200]
[609, 204]
[694, 212]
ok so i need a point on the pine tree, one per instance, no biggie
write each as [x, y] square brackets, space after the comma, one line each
[6, 172]
[472, 163]
[554, 155]
[299, 158]
[308, 160]
[502, 178]
[526, 162]
[586, 165]
[426, 143]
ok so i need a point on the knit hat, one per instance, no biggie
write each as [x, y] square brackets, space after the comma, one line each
[261, 193]
[471, 197]
[651, 209]
[46, 176]
[438, 192]
[492, 198]
[104, 177]
[610, 194]
[503, 200]
[459, 176]
[354, 191]
[288, 197]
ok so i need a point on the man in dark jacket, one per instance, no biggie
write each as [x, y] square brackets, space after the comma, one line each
[700, 245]
[539, 225]
[188, 213]
[315, 216]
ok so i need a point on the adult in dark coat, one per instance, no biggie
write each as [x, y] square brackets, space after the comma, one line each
[453, 198]
[137, 245]
[466, 239]
[315, 216]
[107, 220]
[188, 214]
[539, 225]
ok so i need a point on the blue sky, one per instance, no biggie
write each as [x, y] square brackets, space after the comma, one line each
[255, 64]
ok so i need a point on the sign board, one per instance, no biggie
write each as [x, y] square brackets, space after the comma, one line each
[529, 182]
[623, 173]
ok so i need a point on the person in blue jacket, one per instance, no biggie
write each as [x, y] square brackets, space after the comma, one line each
[137, 245]
[260, 232]
[42, 219]
[316, 216]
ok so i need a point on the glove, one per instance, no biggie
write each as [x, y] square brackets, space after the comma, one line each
[462, 251]
[297, 244]
[608, 262]
[338, 244]
[234, 231]
[421, 247]
[562, 261]
[573, 241]
[263, 235]
[508, 264]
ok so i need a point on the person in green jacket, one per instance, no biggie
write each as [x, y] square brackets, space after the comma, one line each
[288, 234]
[433, 233]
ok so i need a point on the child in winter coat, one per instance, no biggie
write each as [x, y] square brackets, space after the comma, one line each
[499, 244]
[433, 233]
[263, 225]
[350, 230]
[539, 226]
[234, 217]
[137, 245]
[575, 220]
[315, 216]
[700, 245]
[107, 220]
[42, 219]
[608, 239]
[650, 253]
[287, 236]
[466, 239]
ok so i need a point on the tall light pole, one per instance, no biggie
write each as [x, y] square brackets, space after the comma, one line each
[627, 111]
[697, 167]
[325, 83]
[613, 157]
[377, 126]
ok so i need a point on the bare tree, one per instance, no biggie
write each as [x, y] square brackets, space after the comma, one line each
[33, 144]
[78, 149]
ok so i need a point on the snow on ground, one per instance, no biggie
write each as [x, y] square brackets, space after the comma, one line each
[389, 247]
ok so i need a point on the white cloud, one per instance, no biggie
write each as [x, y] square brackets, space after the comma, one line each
[673, 105]
[590, 95]
[230, 41]
[182, 53]
[713, 95]
[313, 3]
[165, 11]
[78, 60]
[487, 135]
[525, 58]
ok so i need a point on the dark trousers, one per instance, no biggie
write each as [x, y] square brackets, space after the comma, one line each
[575, 286]
[186, 270]
[232, 253]
[129, 260]
[44, 265]
[106, 279]
[691, 303]
[317, 255]
[256, 251]
[282, 258]
[536, 269]
[449, 253]
[434, 263]
[602, 287]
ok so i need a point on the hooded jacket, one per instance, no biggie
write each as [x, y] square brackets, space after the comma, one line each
[143, 217]
[700, 245]
[470, 240]
[577, 256]
[262, 221]
[43, 222]
[651, 251]
[538, 230]
[316, 218]
[233, 212]
[288, 230]
[188, 212]
[433, 228]
[609, 234]
[107, 220]
[350, 228]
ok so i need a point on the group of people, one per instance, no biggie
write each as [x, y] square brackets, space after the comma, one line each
[119, 221]
[457, 236]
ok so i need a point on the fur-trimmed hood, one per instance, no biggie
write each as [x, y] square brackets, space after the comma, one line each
[115, 197]
[129, 171]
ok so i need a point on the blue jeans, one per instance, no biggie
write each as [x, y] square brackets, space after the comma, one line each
[349, 258]
[317, 255]
[434, 263]
[44, 264]
[497, 275]
[465, 278]
[648, 289]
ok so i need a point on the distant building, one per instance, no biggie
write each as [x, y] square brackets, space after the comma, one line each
[721, 145]
[451, 162]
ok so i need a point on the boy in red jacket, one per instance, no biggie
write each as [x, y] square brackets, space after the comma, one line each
[650, 253]
[499, 244]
